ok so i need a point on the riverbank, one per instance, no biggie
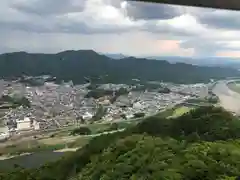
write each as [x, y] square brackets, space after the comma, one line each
[234, 86]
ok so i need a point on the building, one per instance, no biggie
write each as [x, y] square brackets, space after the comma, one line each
[104, 102]
[87, 116]
[38, 125]
[137, 105]
[4, 136]
[24, 124]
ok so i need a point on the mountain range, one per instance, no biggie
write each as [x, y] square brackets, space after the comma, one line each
[82, 64]
[200, 61]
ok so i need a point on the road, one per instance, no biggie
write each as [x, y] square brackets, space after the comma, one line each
[229, 99]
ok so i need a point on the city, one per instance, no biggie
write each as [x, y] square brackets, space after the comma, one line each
[55, 106]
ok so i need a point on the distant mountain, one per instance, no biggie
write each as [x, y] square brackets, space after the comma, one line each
[87, 64]
[201, 61]
[116, 56]
[173, 59]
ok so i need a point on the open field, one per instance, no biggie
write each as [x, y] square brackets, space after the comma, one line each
[28, 147]
[43, 144]
[180, 111]
[95, 128]
[200, 102]
[36, 149]
[55, 140]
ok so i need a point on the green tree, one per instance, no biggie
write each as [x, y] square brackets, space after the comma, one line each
[81, 131]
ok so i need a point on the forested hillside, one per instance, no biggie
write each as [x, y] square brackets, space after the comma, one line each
[202, 144]
[79, 65]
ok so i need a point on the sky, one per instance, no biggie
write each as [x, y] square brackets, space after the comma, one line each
[118, 26]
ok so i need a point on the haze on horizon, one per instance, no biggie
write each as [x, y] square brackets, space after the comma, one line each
[117, 26]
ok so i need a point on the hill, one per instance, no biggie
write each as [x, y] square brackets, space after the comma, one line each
[79, 65]
[202, 144]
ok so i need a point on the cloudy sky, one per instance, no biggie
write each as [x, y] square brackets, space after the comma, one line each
[117, 26]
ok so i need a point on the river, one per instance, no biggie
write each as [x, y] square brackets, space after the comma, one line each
[31, 160]
[229, 99]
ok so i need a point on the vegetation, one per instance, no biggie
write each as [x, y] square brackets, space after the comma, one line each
[87, 64]
[113, 127]
[201, 144]
[101, 111]
[16, 101]
[81, 131]
[32, 81]
[147, 157]
[208, 101]
[123, 116]
[213, 99]
[180, 111]
[150, 86]
[139, 115]
[164, 90]
[92, 86]
[97, 93]
[166, 113]
[209, 123]
[78, 143]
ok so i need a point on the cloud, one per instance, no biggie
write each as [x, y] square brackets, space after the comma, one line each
[68, 16]
[222, 19]
[97, 16]
[151, 11]
[169, 47]
[232, 54]
[183, 26]
[48, 7]
[117, 26]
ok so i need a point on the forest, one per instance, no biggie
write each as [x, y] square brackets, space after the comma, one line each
[201, 144]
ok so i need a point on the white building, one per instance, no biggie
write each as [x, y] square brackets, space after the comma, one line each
[129, 115]
[24, 124]
[4, 136]
[108, 117]
[137, 105]
[87, 116]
